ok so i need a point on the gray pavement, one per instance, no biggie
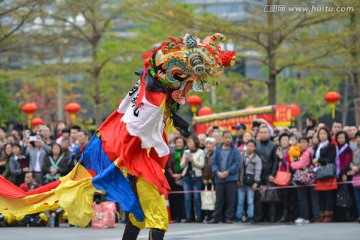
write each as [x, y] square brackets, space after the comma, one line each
[182, 231]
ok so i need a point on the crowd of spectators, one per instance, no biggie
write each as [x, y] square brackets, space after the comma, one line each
[236, 166]
[241, 167]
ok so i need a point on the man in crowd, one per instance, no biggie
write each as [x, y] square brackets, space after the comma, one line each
[217, 135]
[83, 138]
[37, 156]
[46, 135]
[225, 164]
[266, 149]
[240, 130]
[336, 126]
[73, 137]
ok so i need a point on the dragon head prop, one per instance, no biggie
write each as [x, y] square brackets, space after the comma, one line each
[185, 63]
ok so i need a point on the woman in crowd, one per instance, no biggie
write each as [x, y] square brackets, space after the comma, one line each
[305, 193]
[246, 137]
[284, 165]
[19, 165]
[55, 164]
[192, 162]
[355, 173]
[5, 161]
[344, 157]
[325, 153]
[250, 173]
[174, 176]
[208, 175]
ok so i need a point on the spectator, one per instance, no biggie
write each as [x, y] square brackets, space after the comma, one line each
[5, 161]
[240, 130]
[352, 131]
[305, 193]
[208, 175]
[202, 138]
[19, 165]
[65, 133]
[225, 165]
[310, 125]
[74, 137]
[174, 177]
[266, 150]
[295, 149]
[46, 135]
[192, 163]
[344, 156]
[59, 130]
[18, 136]
[29, 183]
[336, 126]
[37, 156]
[83, 137]
[355, 170]
[65, 148]
[255, 127]
[310, 132]
[12, 139]
[55, 165]
[246, 137]
[325, 153]
[217, 136]
[2, 137]
[250, 173]
[284, 165]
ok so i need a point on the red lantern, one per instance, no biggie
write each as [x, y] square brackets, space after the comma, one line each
[36, 122]
[295, 110]
[205, 111]
[29, 109]
[72, 108]
[331, 98]
[194, 102]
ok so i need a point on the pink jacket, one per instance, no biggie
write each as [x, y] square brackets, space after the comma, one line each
[304, 161]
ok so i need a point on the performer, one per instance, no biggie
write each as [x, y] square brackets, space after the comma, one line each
[133, 139]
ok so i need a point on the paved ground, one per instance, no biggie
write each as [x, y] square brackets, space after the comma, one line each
[182, 231]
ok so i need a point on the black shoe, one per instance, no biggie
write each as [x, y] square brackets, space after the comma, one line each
[212, 221]
[188, 220]
[199, 221]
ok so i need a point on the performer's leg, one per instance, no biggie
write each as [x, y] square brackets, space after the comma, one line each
[131, 232]
[156, 234]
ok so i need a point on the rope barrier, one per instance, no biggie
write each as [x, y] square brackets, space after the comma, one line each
[262, 188]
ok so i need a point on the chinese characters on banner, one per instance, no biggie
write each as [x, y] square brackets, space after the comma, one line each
[277, 115]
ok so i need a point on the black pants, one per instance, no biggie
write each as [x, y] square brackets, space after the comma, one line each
[303, 201]
[326, 200]
[176, 201]
[225, 196]
[260, 209]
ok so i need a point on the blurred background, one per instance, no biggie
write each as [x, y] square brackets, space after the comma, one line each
[86, 51]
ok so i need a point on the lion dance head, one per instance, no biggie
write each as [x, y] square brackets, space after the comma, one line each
[185, 63]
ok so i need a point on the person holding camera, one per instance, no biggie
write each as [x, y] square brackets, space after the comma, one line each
[192, 163]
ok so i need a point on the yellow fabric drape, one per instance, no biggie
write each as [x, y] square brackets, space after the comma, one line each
[153, 206]
[74, 194]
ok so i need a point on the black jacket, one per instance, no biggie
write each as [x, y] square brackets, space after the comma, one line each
[270, 162]
[327, 154]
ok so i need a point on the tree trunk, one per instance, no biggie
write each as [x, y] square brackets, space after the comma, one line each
[96, 79]
[345, 107]
[354, 72]
[271, 84]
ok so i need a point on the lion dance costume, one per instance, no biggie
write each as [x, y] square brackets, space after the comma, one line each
[132, 140]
